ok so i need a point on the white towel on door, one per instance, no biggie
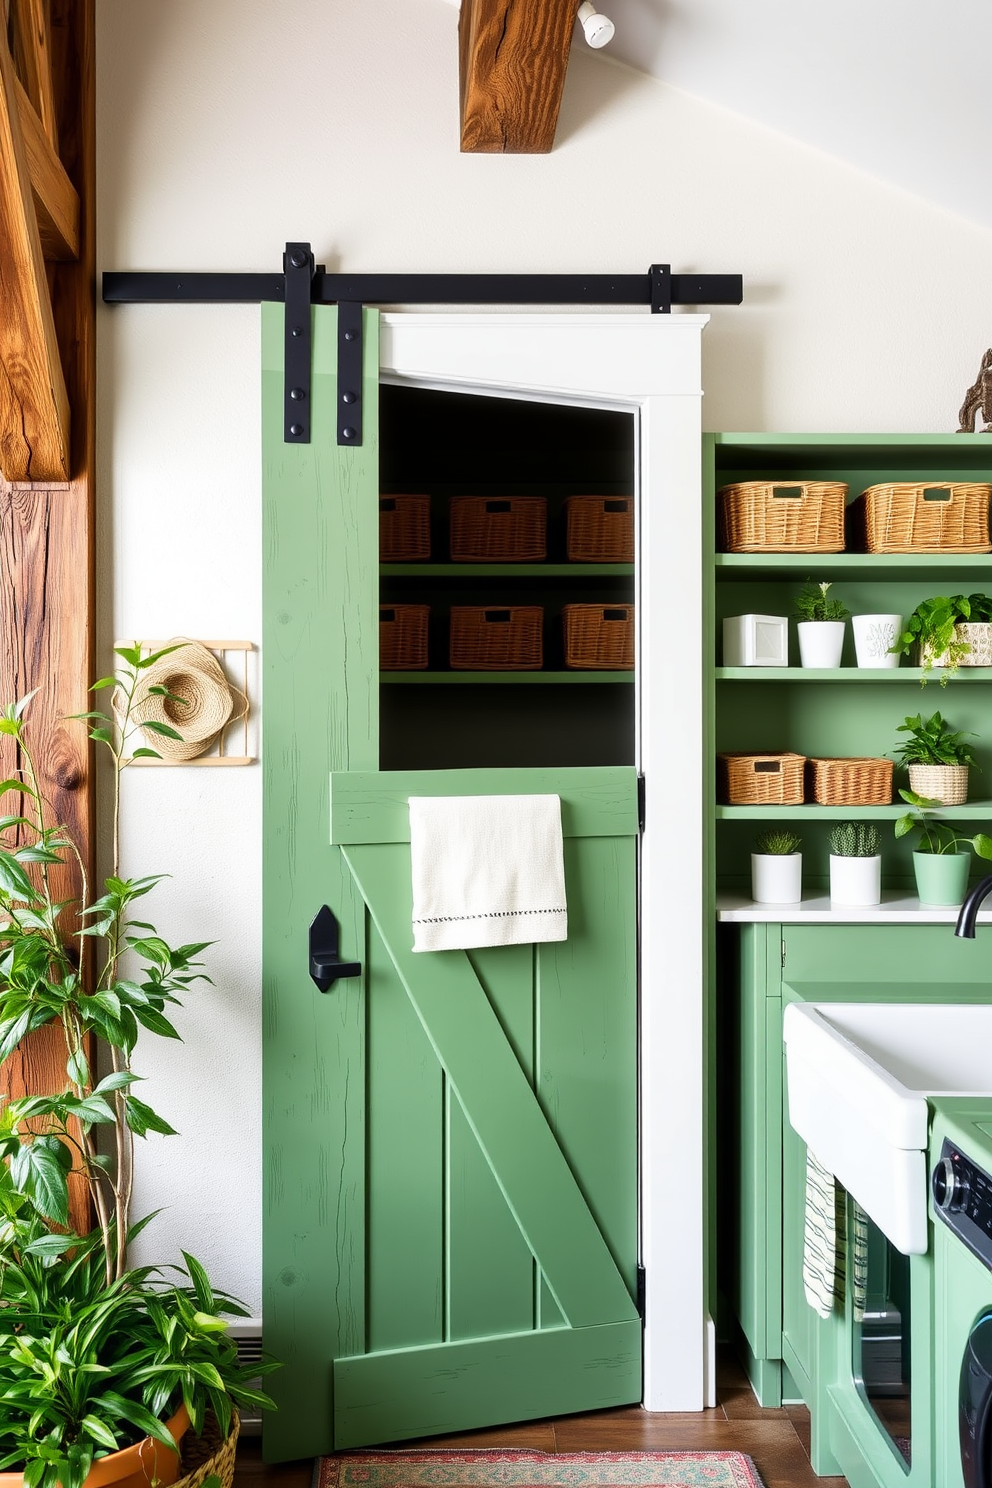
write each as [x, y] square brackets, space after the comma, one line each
[487, 871]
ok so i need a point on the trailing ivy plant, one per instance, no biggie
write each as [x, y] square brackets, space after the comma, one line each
[931, 630]
[92, 1355]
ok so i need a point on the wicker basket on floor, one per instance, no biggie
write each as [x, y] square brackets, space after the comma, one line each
[850, 782]
[782, 517]
[507, 529]
[599, 529]
[496, 638]
[922, 517]
[404, 529]
[760, 779]
[598, 637]
[403, 637]
[209, 1454]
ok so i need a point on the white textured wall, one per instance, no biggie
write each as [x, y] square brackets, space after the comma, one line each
[228, 127]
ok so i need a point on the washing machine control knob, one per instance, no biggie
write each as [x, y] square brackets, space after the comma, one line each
[950, 1186]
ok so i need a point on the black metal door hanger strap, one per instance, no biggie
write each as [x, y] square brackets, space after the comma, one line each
[304, 283]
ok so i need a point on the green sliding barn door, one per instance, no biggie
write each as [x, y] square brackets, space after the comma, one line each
[450, 1188]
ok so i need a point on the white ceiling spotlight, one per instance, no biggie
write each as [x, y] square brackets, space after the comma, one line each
[599, 29]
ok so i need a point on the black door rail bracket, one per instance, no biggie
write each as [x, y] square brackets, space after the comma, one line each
[326, 966]
[303, 283]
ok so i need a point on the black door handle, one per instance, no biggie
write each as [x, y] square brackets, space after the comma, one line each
[326, 966]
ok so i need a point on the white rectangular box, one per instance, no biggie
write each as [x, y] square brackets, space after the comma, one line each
[756, 640]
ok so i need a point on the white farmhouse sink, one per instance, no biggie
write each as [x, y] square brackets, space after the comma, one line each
[859, 1075]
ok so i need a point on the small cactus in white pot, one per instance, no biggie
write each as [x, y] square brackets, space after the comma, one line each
[855, 863]
[777, 867]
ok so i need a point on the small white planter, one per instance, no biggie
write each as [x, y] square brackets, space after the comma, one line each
[947, 784]
[855, 880]
[820, 642]
[776, 878]
[874, 636]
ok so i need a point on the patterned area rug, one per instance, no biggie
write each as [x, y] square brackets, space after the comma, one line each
[523, 1469]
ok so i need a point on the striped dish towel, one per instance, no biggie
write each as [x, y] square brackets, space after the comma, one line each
[824, 1248]
[859, 1262]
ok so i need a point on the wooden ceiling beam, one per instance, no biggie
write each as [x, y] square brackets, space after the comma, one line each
[56, 200]
[34, 58]
[34, 405]
[513, 55]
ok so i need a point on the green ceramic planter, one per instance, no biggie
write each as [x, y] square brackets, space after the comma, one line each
[941, 878]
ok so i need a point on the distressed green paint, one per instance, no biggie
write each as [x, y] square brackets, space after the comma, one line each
[320, 640]
[386, 1397]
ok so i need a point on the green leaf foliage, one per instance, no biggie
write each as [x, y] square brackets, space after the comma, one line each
[932, 741]
[777, 842]
[813, 602]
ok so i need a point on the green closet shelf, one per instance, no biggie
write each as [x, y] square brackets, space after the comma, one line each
[443, 679]
[853, 565]
[505, 570]
[970, 811]
[846, 674]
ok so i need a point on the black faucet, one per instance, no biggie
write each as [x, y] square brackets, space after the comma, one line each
[965, 926]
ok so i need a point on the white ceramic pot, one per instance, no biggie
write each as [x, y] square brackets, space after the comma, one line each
[947, 784]
[776, 878]
[855, 880]
[820, 642]
[874, 636]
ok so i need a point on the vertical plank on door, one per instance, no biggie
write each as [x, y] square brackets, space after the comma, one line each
[320, 712]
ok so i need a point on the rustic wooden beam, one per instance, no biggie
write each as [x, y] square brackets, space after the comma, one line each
[34, 54]
[34, 404]
[56, 201]
[512, 60]
[47, 599]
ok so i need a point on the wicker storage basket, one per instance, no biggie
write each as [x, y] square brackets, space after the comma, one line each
[850, 782]
[598, 637]
[782, 517]
[494, 638]
[922, 517]
[403, 637]
[947, 784]
[760, 779]
[208, 1454]
[404, 529]
[599, 529]
[508, 529]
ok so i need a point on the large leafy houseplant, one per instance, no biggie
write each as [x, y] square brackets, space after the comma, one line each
[93, 1355]
[932, 630]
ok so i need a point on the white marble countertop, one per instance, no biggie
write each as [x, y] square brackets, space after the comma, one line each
[898, 907]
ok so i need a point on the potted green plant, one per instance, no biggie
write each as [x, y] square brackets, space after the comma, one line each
[96, 1358]
[820, 626]
[941, 860]
[777, 867]
[948, 631]
[937, 758]
[855, 863]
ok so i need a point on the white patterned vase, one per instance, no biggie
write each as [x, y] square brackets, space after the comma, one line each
[874, 637]
[978, 636]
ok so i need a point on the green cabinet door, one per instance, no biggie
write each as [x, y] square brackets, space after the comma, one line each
[450, 1140]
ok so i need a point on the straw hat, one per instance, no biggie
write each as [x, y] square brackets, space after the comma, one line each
[210, 701]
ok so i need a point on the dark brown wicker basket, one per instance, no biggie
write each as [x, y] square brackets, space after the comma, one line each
[504, 529]
[598, 637]
[404, 529]
[495, 638]
[760, 779]
[850, 782]
[403, 637]
[599, 529]
[782, 517]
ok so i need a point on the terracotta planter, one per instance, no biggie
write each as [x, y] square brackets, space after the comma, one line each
[139, 1466]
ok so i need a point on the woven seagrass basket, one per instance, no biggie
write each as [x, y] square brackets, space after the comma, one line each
[496, 638]
[947, 784]
[760, 779]
[403, 637]
[208, 1455]
[782, 517]
[598, 637]
[510, 529]
[599, 529]
[404, 529]
[922, 517]
[850, 782]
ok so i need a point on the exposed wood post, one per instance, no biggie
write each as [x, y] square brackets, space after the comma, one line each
[46, 536]
[32, 31]
[512, 60]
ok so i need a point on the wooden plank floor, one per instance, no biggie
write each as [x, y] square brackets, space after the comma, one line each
[777, 1440]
